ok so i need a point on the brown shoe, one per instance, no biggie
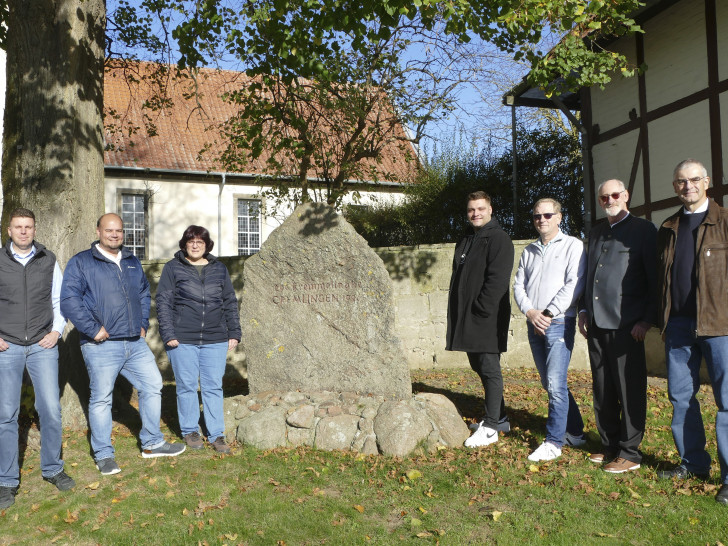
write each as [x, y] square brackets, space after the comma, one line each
[194, 440]
[620, 465]
[600, 457]
[220, 445]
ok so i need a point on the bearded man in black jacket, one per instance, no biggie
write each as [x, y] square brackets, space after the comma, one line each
[479, 310]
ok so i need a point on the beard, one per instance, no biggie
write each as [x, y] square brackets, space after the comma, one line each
[613, 210]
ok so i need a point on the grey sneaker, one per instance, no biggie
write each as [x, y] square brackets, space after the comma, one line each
[108, 466]
[62, 481]
[7, 496]
[574, 441]
[165, 450]
[194, 440]
[220, 445]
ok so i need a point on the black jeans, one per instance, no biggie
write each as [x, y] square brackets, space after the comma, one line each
[487, 366]
[619, 380]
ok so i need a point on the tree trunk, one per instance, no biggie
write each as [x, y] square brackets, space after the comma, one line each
[53, 150]
[52, 142]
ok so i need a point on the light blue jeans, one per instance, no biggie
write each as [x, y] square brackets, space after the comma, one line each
[552, 354]
[684, 353]
[133, 360]
[42, 365]
[205, 363]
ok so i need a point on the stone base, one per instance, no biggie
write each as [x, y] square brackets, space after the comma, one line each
[366, 424]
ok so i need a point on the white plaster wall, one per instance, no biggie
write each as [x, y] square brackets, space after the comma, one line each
[675, 52]
[683, 134]
[611, 105]
[721, 12]
[174, 205]
[613, 159]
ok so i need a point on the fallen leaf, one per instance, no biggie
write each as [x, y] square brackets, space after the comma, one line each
[634, 494]
[169, 494]
[533, 468]
[93, 486]
[495, 514]
[71, 517]
[422, 510]
[413, 474]
[230, 536]
[359, 508]
[424, 534]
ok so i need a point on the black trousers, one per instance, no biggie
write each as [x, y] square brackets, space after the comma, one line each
[619, 381]
[487, 366]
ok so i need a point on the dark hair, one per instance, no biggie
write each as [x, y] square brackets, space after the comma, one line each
[477, 195]
[194, 232]
[22, 213]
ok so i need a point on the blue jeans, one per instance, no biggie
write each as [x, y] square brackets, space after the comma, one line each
[133, 360]
[42, 365]
[552, 354]
[206, 363]
[684, 352]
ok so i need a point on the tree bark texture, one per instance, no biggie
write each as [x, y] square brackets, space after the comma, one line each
[52, 142]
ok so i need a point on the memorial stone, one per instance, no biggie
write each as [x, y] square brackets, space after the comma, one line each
[317, 311]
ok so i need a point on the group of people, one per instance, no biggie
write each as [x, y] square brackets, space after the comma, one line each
[630, 277]
[105, 294]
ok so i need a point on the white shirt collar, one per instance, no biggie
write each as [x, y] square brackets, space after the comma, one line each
[701, 208]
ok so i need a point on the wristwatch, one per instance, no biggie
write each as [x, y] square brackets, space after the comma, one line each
[547, 313]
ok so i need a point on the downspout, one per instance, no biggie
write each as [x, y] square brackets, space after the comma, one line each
[219, 213]
[510, 100]
[585, 161]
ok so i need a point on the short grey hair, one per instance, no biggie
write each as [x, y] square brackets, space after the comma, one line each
[621, 184]
[554, 202]
[684, 163]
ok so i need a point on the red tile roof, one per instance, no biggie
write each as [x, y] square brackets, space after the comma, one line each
[171, 138]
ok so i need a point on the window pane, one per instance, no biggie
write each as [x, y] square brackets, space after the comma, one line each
[248, 227]
[133, 214]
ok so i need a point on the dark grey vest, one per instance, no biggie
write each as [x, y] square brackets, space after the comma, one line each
[26, 307]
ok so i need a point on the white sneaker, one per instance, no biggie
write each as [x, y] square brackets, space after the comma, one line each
[482, 437]
[545, 452]
[574, 441]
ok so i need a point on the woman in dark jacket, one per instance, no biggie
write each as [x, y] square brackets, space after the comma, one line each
[198, 322]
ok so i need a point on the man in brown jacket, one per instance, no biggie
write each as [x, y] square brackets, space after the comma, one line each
[693, 317]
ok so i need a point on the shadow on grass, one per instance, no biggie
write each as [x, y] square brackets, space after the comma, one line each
[471, 408]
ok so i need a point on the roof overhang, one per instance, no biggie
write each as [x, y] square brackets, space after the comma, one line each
[524, 94]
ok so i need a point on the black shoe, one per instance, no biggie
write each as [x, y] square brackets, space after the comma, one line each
[682, 473]
[62, 481]
[722, 496]
[7, 496]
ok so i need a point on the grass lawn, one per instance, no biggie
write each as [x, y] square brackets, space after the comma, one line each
[303, 496]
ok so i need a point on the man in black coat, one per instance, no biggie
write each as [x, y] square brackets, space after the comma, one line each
[619, 307]
[479, 309]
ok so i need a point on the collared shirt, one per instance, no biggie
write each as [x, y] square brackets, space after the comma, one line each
[59, 321]
[702, 208]
[551, 276]
[619, 221]
[116, 258]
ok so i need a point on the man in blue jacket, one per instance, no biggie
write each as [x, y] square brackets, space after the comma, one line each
[106, 295]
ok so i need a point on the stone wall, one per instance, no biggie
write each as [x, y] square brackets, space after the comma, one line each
[421, 277]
